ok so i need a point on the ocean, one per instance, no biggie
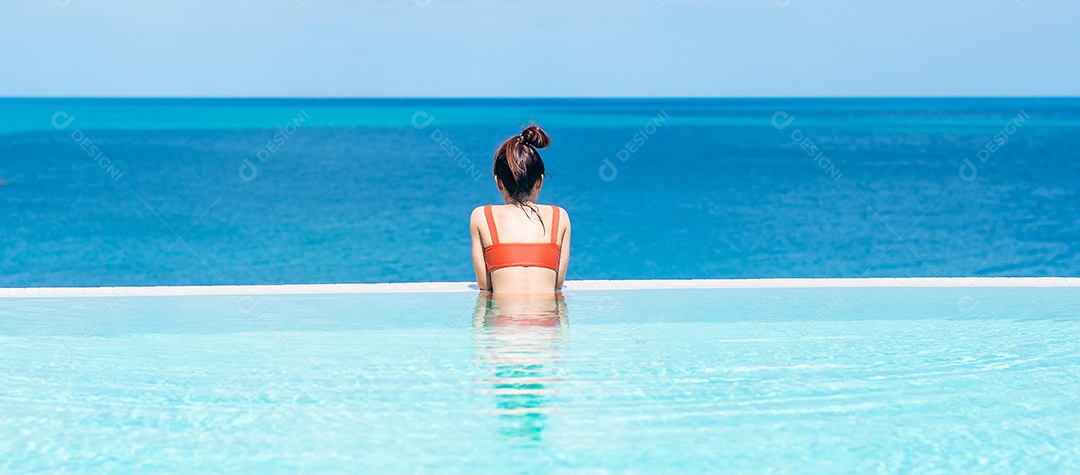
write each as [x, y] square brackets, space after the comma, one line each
[100, 192]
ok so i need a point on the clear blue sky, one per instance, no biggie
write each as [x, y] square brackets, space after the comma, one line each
[566, 48]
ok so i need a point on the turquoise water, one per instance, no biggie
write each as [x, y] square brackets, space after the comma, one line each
[683, 381]
[173, 192]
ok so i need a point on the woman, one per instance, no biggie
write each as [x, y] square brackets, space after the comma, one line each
[520, 248]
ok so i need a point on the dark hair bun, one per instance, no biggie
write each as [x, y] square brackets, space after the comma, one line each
[535, 136]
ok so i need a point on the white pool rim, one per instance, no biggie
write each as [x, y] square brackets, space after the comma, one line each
[571, 286]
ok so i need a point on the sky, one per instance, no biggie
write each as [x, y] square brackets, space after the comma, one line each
[555, 48]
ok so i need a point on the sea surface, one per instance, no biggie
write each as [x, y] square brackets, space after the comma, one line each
[262, 191]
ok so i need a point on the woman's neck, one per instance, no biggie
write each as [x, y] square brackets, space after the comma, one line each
[531, 201]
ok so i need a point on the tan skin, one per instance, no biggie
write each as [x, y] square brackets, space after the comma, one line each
[515, 226]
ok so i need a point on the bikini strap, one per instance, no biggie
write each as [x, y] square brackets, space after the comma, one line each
[555, 224]
[491, 225]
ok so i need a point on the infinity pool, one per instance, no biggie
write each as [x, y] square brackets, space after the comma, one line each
[628, 381]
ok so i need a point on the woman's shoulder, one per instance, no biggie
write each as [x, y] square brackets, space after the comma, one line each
[477, 214]
[564, 217]
[558, 209]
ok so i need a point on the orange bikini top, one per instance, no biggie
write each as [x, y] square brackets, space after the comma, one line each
[519, 254]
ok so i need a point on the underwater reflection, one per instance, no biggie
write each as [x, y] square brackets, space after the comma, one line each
[519, 344]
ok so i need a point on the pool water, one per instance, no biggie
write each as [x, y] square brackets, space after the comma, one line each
[738, 381]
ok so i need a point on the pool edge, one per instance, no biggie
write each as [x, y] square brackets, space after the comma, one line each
[443, 287]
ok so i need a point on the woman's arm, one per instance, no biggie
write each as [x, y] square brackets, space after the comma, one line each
[475, 223]
[564, 255]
